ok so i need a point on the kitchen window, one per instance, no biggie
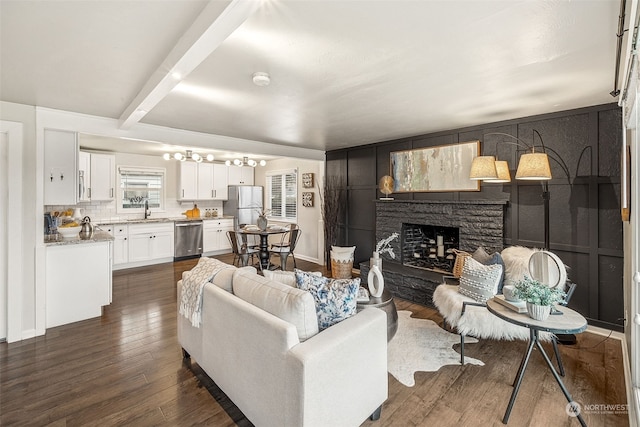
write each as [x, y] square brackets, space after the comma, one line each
[282, 195]
[138, 184]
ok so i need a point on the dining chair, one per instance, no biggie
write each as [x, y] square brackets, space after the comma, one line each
[286, 246]
[240, 251]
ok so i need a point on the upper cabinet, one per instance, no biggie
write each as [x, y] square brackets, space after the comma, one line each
[202, 181]
[240, 175]
[84, 176]
[103, 171]
[60, 167]
[220, 182]
[96, 177]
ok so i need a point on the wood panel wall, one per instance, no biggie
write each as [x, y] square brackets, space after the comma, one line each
[585, 224]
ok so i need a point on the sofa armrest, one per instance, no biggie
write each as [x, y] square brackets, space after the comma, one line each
[340, 374]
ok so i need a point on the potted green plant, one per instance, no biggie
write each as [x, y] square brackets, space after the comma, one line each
[538, 296]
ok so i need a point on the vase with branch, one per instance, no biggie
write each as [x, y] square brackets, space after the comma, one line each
[333, 207]
[383, 247]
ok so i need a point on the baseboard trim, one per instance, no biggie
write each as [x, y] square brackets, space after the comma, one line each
[605, 332]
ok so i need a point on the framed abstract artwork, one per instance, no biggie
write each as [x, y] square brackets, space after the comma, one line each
[435, 169]
[307, 180]
[307, 200]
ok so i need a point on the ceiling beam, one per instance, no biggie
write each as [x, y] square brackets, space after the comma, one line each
[217, 21]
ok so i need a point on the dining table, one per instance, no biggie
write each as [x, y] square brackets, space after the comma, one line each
[264, 240]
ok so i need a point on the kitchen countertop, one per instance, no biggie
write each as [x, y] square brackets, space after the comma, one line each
[58, 240]
[158, 220]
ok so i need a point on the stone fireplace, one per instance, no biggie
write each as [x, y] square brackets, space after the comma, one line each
[463, 224]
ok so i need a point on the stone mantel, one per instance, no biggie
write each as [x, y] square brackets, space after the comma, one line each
[480, 222]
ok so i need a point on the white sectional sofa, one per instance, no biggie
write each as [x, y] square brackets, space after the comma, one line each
[259, 342]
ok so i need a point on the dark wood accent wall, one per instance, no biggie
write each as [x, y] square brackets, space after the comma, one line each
[585, 224]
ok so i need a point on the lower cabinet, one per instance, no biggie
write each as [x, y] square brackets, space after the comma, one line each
[214, 235]
[78, 282]
[150, 242]
[120, 233]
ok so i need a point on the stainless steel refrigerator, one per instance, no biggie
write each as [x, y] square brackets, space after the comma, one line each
[245, 204]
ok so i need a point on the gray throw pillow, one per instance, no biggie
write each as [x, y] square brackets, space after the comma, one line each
[478, 281]
[481, 255]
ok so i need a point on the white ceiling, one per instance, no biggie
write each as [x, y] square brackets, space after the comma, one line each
[343, 73]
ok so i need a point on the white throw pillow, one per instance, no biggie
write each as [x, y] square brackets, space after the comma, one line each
[478, 281]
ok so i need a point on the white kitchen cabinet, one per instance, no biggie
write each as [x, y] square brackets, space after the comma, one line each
[202, 181]
[220, 182]
[120, 233]
[214, 235]
[150, 242]
[78, 281]
[60, 167]
[240, 175]
[188, 181]
[96, 177]
[103, 171]
[84, 176]
[205, 181]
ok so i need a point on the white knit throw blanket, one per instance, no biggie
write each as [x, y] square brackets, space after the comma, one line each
[193, 288]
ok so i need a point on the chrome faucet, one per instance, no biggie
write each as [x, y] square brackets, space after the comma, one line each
[147, 212]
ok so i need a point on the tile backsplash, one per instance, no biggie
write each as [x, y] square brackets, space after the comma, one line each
[106, 211]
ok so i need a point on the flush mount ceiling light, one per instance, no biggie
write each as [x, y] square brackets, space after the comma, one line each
[261, 79]
[189, 155]
[245, 162]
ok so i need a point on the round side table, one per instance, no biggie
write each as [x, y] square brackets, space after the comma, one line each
[385, 303]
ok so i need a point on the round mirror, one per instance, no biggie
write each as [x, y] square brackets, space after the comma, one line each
[547, 268]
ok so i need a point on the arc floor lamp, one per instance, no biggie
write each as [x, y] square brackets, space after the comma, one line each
[532, 166]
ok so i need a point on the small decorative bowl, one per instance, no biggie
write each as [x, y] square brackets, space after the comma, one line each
[69, 232]
[509, 293]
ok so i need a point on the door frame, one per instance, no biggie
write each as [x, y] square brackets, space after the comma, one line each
[14, 132]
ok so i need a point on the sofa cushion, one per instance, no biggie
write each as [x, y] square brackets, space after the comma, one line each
[290, 304]
[335, 299]
[223, 278]
[478, 281]
[286, 277]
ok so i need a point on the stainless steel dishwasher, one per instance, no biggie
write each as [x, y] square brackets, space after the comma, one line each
[188, 239]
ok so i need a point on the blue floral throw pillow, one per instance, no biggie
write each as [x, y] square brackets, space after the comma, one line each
[335, 298]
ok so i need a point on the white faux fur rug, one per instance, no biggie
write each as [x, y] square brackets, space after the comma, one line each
[421, 345]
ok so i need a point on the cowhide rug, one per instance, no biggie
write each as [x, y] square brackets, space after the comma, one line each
[421, 345]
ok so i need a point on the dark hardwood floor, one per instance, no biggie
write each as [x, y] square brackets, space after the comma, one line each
[126, 368]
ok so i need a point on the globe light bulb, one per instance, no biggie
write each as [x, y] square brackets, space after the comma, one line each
[263, 162]
[227, 162]
[210, 157]
[178, 156]
[166, 156]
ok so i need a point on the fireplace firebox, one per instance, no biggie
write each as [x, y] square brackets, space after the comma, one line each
[429, 247]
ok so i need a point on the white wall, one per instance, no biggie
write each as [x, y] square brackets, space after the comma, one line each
[106, 211]
[30, 189]
[308, 218]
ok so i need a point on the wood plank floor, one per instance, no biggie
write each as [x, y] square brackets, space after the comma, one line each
[126, 368]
